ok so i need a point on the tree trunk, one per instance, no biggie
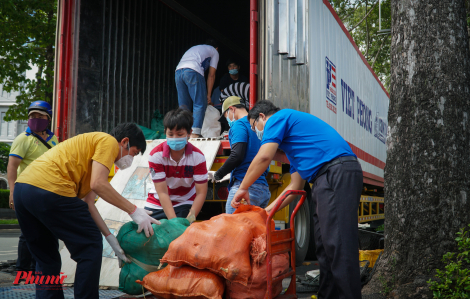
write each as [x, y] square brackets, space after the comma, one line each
[427, 175]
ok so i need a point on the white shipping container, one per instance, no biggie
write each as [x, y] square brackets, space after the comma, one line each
[333, 82]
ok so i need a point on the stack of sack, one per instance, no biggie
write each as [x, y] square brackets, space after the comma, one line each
[227, 250]
[145, 253]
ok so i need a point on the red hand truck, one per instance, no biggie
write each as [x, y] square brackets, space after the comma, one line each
[281, 241]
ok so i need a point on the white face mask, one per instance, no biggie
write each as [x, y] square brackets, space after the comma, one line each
[126, 161]
[259, 133]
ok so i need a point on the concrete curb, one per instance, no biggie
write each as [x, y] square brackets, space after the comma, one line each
[7, 214]
[9, 226]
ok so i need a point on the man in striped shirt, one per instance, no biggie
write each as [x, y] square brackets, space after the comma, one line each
[238, 89]
[178, 170]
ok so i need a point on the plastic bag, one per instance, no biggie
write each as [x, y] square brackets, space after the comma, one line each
[146, 252]
[177, 282]
[211, 125]
[221, 244]
[257, 284]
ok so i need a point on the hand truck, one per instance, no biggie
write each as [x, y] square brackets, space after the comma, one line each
[281, 241]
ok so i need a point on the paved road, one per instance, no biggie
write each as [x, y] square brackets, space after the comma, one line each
[9, 244]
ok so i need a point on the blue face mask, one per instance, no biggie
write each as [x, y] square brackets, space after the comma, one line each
[177, 144]
[233, 71]
[230, 122]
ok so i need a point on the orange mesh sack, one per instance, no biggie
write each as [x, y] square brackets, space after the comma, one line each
[256, 214]
[221, 244]
[257, 284]
[176, 282]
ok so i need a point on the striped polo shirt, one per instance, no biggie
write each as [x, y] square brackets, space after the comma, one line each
[180, 177]
[239, 89]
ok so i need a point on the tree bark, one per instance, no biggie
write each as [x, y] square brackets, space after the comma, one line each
[427, 174]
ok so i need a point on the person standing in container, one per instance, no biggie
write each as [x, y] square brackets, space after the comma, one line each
[320, 156]
[27, 147]
[244, 146]
[233, 75]
[54, 199]
[190, 82]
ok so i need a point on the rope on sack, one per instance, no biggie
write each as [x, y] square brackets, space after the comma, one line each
[258, 251]
[148, 268]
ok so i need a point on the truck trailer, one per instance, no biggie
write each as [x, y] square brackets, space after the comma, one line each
[115, 62]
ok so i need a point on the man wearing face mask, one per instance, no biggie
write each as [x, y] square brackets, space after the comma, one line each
[320, 156]
[27, 147]
[244, 146]
[233, 75]
[54, 199]
[178, 171]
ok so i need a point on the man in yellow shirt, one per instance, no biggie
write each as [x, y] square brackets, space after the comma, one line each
[27, 147]
[49, 206]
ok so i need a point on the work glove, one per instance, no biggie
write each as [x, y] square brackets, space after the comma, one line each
[144, 221]
[117, 249]
[191, 217]
[212, 176]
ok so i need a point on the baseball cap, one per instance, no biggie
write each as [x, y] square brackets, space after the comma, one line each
[231, 101]
[38, 111]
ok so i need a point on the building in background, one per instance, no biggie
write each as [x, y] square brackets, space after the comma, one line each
[8, 129]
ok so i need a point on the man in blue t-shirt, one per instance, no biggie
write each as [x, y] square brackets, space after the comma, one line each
[244, 147]
[320, 156]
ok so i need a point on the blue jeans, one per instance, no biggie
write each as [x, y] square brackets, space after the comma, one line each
[192, 94]
[259, 196]
[45, 217]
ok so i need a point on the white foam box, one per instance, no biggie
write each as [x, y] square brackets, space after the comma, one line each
[279, 224]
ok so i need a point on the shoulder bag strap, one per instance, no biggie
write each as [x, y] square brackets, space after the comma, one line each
[42, 140]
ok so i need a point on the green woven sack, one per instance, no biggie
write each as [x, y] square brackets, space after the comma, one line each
[145, 252]
[149, 134]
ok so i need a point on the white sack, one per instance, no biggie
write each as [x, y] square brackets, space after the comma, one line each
[211, 125]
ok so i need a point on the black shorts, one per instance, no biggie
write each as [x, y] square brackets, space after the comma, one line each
[180, 211]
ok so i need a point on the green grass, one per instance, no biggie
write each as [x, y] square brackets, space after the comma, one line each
[8, 221]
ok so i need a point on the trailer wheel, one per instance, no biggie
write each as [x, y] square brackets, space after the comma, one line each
[302, 229]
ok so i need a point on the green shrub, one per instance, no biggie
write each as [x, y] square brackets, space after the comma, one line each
[4, 198]
[4, 155]
[454, 281]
